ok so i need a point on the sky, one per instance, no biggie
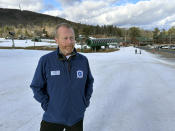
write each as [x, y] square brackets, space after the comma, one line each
[146, 14]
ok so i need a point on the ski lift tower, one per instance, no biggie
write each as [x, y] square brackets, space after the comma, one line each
[20, 1]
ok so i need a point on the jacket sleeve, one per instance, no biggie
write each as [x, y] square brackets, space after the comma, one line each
[89, 85]
[39, 85]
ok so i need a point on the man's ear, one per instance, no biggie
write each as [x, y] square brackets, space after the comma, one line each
[56, 39]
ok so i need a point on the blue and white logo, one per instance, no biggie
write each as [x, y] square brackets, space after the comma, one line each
[79, 74]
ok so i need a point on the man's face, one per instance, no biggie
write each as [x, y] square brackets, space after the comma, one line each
[65, 40]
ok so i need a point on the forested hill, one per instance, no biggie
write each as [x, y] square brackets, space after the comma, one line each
[29, 24]
[16, 17]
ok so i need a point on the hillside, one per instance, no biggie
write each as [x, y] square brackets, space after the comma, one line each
[16, 17]
[30, 23]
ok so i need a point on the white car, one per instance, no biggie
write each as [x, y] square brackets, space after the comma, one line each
[165, 47]
[173, 47]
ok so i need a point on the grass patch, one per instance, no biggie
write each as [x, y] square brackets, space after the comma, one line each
[11, 47]
[54, 48]
[101, 50]
[40, 48]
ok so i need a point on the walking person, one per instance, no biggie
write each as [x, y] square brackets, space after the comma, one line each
[135, 51]
[63, 84]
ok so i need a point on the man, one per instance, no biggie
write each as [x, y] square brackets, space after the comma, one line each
[63, 84]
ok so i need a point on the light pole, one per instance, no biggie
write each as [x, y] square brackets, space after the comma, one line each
[12, 34]
[81, 43]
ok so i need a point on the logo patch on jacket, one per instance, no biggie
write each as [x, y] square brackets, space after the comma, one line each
[53, 73]
[79, 74]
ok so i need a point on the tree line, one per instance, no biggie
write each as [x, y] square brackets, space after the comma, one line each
[127, 34]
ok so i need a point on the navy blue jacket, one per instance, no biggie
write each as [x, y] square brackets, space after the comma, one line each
[63, 87]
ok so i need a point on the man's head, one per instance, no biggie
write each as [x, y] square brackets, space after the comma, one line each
[65, 38]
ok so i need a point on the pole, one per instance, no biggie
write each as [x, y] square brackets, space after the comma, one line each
[125, 36]
[170, 38]
[13, 43]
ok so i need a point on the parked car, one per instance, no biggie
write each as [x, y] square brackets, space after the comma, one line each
[36, 39]
[172, 47]
[165, 47]
[21, 37]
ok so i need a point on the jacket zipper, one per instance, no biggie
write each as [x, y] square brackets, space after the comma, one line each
[69, 68]
[69, 74]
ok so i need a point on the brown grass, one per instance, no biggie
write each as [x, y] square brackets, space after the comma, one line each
[52, 48]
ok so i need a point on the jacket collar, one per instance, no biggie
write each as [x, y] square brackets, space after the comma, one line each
[62, 57]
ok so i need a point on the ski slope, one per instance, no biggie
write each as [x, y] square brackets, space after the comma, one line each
[28, 42]
[132, 92]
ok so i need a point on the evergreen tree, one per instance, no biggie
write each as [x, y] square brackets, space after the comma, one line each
[156, 33]
[133, 33]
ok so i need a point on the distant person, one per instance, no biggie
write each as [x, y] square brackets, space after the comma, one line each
[140, 52]
[63, 84]
[135, 51]
[153, 50]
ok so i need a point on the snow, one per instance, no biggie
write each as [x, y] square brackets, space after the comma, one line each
[132, 92]
[26, 43]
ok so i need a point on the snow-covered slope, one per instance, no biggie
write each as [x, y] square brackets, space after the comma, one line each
[131, 92]
[25, 43]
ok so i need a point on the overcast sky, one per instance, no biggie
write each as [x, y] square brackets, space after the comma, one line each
[146, 14]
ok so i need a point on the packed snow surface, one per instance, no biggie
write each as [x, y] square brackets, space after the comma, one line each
[132, 92]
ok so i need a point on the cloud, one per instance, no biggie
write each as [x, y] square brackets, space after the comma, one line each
[68, 2]
[143, 13]
[54, 12]
[32, 5]
[82, 12]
